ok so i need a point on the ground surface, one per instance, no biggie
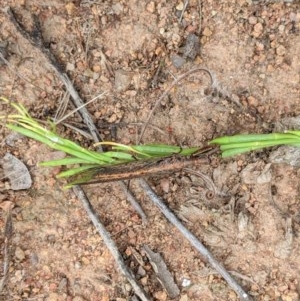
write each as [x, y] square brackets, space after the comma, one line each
[252, 49]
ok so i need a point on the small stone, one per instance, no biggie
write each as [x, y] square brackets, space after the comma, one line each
[112, 118]
[160, 295]
[141, 272]
[85, 260]
[252, 20]
[150, 7]
[88, 73]
[280, 50]
[96, 68]
[70, 8]
[283, 288]
[131, 93]
[70, 67]
[144, 280]
[279, 60]
[281, 28]
[207, 32]
[179, 6]
[53, 297]
[165, 185]
[184, 298]
[258, 27]
[270, 68]
[186, 282]
[117, 8]
[260, 46]
[176, 38]
[265, 176]
[232, 296]
[52, 286]
[122, 80]
[20, 254]
[257, 30]
[252, 101]
[290, 296]
[77, 265]
[104, 79]
[177, 60]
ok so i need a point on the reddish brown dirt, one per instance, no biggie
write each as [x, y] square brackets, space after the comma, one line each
[253, 50]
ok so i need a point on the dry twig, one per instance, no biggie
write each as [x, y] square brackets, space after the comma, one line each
[6, 244]
[137, 207]
[109, 243]
[194, 241]
[186, 2]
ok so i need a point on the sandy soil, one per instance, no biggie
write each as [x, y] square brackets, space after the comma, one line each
[252, 49]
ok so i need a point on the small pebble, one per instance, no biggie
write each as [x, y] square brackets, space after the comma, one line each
[252, 20]
[179, 6]
[165, 185]
[252, 101]
[257, 30]
[150, 7]
[207, 32]
[160, 295]
[280, 50]
[77, 265]
[20, 254]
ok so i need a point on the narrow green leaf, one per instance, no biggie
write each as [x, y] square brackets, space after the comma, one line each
[224, 147]
[251, 138]
[157, 149]
[161, 150]
[83, 155]
[120, 156]
[65, 161]
[123, 148]
[297, 133]
[238, 151]
[77, 170]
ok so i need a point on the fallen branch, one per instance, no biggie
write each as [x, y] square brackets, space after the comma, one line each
[194, 241]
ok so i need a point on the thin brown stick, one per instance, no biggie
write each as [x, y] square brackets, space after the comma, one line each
[173, 84]
[7, 242]
[200, 17]
[110, 243]
[186, 2]
[137, 207]
[140, 169]
[194, 241]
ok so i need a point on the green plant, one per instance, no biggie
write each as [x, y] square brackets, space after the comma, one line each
[24, 124]
[82, 160]
[238, 144]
